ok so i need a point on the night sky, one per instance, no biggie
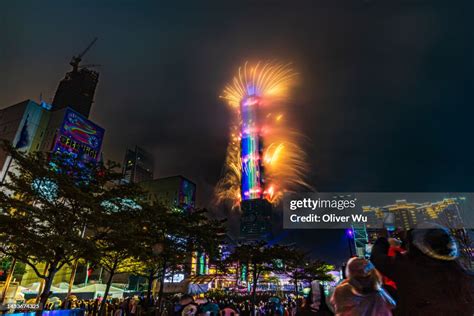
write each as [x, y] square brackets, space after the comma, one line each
[385, 95]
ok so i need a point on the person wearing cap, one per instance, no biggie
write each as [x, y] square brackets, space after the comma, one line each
[429, 279]
[361, 294]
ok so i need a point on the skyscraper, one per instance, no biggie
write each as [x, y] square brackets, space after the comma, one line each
[263, 159]
[137, 165]
[256, 209]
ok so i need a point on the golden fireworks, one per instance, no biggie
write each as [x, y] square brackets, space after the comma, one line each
[283, 160]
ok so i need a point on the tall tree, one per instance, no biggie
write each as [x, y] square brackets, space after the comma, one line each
[260, 257]
[171, 236]
[116, 251]
[45, 205]
[299, 267]
[116, 225]
[162, 244]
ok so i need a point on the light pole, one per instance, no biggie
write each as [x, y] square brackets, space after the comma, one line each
[157, 250]
[350, 237]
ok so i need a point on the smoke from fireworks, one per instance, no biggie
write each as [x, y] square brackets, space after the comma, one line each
[278, 153]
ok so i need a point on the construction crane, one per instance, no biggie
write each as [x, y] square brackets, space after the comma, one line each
[77, 59]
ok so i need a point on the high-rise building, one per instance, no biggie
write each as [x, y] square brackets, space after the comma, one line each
[77, 91]
[256, 209]
[137, 165]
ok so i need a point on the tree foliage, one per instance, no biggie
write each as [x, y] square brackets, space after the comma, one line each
[299, 266]
[55, 209]
[260, 257]
[45, 204]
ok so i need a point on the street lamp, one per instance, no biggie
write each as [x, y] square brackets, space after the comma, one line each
[350, 237]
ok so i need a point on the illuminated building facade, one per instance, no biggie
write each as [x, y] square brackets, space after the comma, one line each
[406, 215]
[23, 125]
[199, 264]
[70, 132]
[253, 185]
[256, 210]
[264, 159]
[251, 151]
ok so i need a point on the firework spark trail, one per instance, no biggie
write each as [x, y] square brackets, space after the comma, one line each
[282, 158]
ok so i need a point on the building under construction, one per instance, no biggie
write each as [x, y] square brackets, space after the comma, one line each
[77, 89]
[38, 126]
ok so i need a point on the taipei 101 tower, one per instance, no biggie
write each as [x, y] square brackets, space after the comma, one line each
[256, 210]
[263, 159]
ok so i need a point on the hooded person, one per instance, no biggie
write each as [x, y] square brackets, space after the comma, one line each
[429, 279]
[361, 293]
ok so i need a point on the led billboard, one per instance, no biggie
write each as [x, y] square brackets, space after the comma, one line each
[79, 136]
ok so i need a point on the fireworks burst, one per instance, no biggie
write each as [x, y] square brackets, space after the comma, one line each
[263, 159]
